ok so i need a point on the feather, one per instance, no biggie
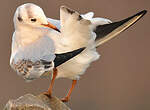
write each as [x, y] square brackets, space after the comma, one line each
[108, 31]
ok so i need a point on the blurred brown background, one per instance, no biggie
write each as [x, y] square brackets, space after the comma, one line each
[120, 80]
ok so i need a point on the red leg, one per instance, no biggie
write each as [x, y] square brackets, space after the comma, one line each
[49, 92]
[66, 99]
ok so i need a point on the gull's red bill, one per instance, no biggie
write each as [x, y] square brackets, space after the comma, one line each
[51, 26]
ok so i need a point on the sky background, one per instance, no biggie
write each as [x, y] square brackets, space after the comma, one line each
[120, 80]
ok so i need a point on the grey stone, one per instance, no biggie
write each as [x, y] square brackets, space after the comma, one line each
[40, 102]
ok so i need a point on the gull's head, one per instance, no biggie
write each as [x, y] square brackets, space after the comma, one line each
[31, 15]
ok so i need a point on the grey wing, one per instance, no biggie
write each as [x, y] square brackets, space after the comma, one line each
[41, 49]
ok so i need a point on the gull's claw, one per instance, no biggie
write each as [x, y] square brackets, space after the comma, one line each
[65, 99]
[47, 94]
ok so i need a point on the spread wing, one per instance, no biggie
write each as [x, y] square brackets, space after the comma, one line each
[104, 28]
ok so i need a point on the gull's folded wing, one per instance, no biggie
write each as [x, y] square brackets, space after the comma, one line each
[108, 31]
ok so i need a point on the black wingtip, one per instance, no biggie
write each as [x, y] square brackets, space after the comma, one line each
[104, 30]
[141, 13]
[144, 12]
[62, 58]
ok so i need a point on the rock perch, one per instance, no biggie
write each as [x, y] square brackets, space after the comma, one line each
[40, 102]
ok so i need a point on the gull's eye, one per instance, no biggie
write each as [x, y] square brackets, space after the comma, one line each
[33, 19]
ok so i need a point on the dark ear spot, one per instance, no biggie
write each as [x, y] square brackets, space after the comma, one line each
[20, 19]
[80, 17]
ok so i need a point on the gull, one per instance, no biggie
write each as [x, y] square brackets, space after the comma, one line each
[74, 31]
